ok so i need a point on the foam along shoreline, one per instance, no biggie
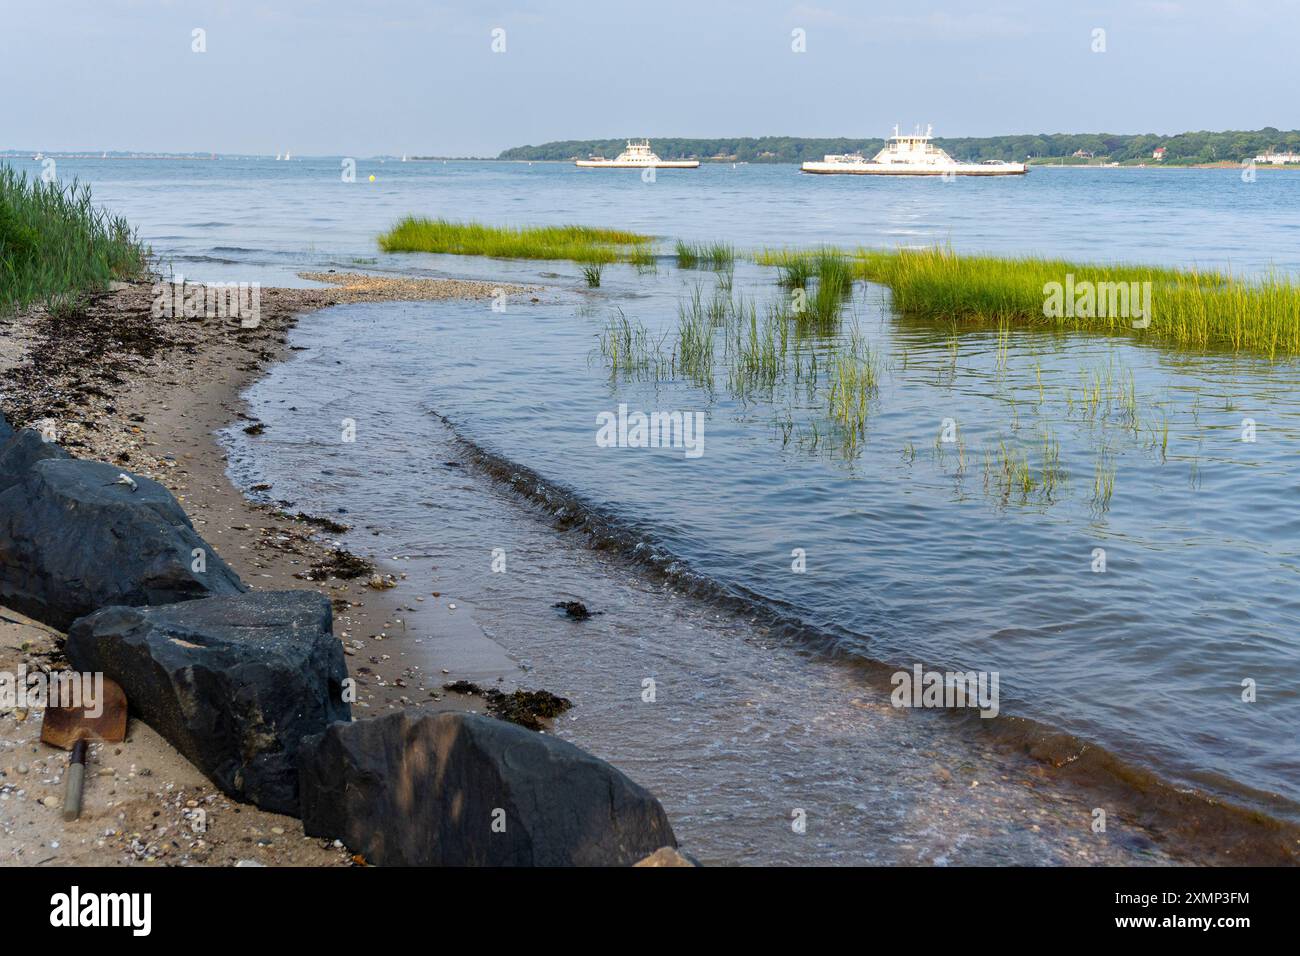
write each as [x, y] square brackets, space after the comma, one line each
[147, 394]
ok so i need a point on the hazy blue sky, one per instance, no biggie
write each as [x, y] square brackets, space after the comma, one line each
[360, 78]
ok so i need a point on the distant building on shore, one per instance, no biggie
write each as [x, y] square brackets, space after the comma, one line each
[1159, 154]
[1278, 159]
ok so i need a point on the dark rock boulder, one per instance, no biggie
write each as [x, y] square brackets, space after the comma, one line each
[234, 683]
[20, 450]
[456, 789]
[73, 539]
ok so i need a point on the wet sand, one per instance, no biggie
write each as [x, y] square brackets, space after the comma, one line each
[149, 394]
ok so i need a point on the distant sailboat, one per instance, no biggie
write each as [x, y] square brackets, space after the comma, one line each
[403, 157]
[287, 155]
[277, 157]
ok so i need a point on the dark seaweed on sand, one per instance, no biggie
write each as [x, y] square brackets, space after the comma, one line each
[527, 708]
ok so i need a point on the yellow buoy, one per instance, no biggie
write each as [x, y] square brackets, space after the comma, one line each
[372, 177]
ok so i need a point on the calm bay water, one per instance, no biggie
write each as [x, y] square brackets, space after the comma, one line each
[228, 217]
[916, 550]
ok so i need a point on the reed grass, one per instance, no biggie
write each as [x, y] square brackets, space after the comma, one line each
[1190, 308]
[719, 256]
[1103, 483]
[578, 243]
[757, 349]
[695, 341]
[642, 257]
[854, 381]
[56, 245]
[820, 281]
[592, 274]
[630, 348]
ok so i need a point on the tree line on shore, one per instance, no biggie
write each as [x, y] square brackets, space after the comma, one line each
[1182, 149]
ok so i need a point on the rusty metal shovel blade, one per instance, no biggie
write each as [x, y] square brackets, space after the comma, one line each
[101, 717]
[62, 727]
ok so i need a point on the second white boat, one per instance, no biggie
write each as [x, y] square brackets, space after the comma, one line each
[911, 155]
[637, 156]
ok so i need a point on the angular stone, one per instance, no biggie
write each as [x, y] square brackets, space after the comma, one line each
[456, 789]
[20, 450]
[234, 682]
[73, 539]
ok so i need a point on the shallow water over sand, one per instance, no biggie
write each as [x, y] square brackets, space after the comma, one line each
[744, 730]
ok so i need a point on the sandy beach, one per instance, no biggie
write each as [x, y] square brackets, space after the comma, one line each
[149, 394]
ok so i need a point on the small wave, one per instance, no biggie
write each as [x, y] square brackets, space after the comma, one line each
[1263, 830]
[218, 259]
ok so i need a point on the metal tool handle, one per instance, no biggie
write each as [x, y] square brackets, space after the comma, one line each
[76, 781]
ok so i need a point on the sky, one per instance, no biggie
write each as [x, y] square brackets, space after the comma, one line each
[372, 77]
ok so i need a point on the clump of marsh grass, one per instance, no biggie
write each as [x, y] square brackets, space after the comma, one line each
[1007, 471]
[1103, 483]
[55, 245]
[592, 274]
[719, 256]
[797, 272]
[757, 350]
[642, 257]
[687, 258]
[854, 381]
[819, 282]
[1188, 308]
[695, 342]
[630, 349]
[578, 243]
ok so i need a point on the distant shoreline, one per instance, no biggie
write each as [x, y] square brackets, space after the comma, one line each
[1035, 163]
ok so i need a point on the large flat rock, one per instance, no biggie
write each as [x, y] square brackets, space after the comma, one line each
[456, 789]
[234, 683]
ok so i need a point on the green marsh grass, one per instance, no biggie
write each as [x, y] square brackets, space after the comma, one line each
[820, 281]
[854, 381]
[695, 342]
[719, 256]
[578, 243]
[757, 349]
[642, 257]
[1192, 309]
[630, 349]
[55, 244]
[592, 274]
[1103, 483]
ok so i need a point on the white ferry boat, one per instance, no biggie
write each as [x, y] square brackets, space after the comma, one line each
[637, 156]
[912, 155]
